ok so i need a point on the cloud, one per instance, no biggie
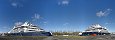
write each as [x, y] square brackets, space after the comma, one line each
[16, 3]
[5, 27]
[36, 17]
[100, 14]
[103, 13]
[106, 23]
[65, 24]
[18, 23]
[45, 23]
[63, 2]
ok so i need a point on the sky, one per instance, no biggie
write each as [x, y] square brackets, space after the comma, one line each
[58, 15]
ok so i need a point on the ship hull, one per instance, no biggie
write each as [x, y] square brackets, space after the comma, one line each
[30, 34]
[91, 33]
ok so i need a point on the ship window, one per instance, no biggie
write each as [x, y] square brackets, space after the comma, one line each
[87, 30]
[93, 29]
[23, 26]
[105, 29]
[31, 30]
[41, 29]
[15, 28]
[99, 28]
[33, 26]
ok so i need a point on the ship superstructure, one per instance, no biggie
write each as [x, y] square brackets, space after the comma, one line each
[96, 29]
[26, 27]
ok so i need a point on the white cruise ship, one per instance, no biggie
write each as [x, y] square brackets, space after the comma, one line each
[95, 29]
[28, 29]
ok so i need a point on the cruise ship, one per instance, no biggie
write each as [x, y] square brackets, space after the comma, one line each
[27, 29]
[95, 29]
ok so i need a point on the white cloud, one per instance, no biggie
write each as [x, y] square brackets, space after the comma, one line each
[45, 23]
[100, 14]
[106, 23]
[16, 3]
[4, 27]
[36, 17]
[18, 23]
[63, 2]
[65, 24]
[103, 13]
